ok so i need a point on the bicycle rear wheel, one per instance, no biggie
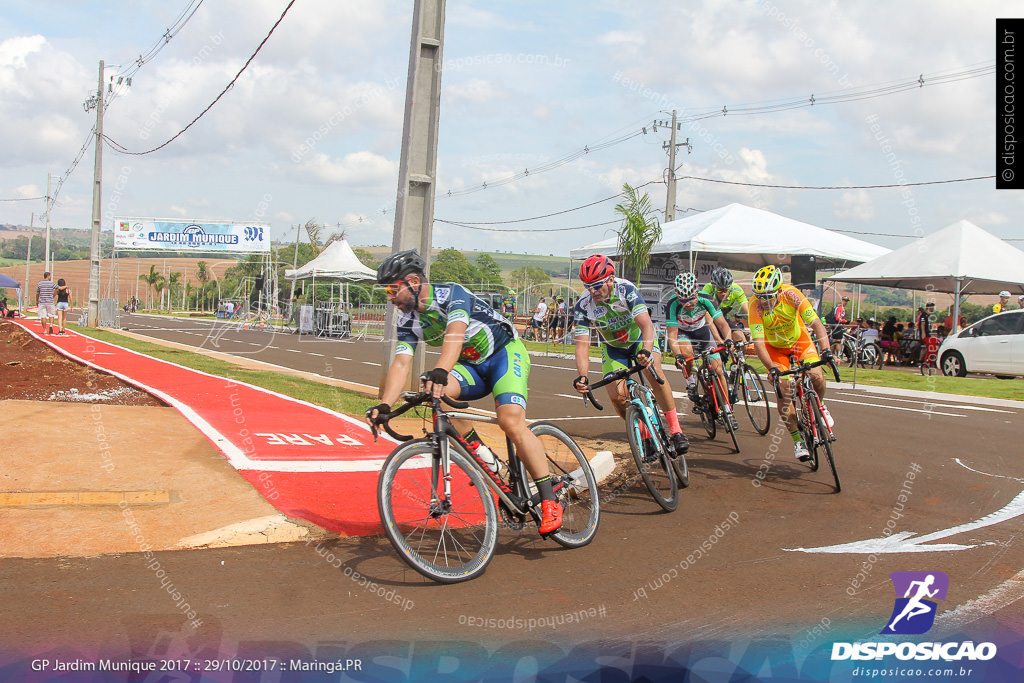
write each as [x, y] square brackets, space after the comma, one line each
[704, 408]
[825, 444]
[654, 469]
[755, 399]
[725, 418]
[446, 540]
[575, 484]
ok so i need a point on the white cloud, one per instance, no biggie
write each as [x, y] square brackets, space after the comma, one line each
[617, 38]
[856, 206]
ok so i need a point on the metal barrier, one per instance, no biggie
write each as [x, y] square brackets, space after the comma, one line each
[109, 314]
[368, 320]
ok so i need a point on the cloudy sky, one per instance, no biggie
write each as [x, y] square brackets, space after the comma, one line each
[312, 129]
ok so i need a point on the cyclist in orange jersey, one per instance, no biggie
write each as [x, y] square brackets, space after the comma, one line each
[781, 323]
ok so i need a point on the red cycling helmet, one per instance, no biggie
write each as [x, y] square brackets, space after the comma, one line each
[596, 268]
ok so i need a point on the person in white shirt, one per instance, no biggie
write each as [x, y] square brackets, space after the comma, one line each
[539, 314]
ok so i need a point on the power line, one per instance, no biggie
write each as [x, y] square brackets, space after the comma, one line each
[889, 234]
[835, 187]
[513, 230]
[549, 215]
[841, 96]
[23, 199]
[123, 150]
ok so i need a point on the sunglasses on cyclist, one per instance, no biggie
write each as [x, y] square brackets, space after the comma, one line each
[689, 300]
[594, 286]
[766, 296]
[720, 290]
[393, 288]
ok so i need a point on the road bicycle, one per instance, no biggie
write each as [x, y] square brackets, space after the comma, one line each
[710, 403]
[745, 384]
[439, 504]
[811, 422]
[663, 470]
[856, 350]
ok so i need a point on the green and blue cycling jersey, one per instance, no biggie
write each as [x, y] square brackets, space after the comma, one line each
[733, 300]
[493, 359]
[692, 324]
[615, 321]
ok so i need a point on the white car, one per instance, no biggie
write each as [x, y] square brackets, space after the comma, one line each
[994, 345]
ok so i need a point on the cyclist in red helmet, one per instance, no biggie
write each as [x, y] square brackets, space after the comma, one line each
[614, 306]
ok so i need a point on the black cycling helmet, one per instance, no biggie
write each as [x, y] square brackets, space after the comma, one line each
[400, 264]
[721, 278]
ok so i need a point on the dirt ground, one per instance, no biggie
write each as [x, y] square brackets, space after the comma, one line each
[32, 371]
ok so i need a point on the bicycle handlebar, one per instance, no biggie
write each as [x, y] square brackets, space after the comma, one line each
[617, 376]
[412, 400]
[708, 352]
[804, 366]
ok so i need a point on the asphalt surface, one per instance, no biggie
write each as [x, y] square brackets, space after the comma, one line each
[930, 483]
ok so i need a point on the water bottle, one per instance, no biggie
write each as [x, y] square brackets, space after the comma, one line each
[485, 454]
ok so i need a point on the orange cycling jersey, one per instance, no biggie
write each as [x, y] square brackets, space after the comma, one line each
[781, 326]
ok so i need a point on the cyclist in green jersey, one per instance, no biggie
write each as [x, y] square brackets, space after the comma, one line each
[690, 333]
[480, 354]
[614, 306]
[729, 298]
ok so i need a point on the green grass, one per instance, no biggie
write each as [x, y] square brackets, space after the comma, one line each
[353, 403]
[334, 398]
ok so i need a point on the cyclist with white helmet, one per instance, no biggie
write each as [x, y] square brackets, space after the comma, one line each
[1004, 300]
[781, 321]
[690, 334]
[614, 306]
[729, 298]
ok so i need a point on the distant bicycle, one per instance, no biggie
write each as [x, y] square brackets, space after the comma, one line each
[710, 403]
[814, 429]
[663, 470]
[440, 505]
[745, 384]
[855, 350]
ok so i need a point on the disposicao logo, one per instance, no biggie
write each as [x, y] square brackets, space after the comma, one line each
[913, 613]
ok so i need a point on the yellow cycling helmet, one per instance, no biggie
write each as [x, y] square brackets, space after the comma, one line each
[768, 280]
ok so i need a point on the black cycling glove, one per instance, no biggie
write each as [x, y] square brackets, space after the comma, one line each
[383, 410]
[644, 353]
[436, 376]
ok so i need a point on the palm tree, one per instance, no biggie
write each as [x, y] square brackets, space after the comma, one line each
[203, 275]
[173, 285]
[639, 231]
[152, 278]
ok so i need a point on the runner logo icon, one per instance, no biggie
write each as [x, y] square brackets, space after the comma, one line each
[916, 606]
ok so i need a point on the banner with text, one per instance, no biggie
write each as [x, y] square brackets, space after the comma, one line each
[147, 234]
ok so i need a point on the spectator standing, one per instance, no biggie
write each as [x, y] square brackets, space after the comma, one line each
[63, 293]
[45, 302]
[539, 314]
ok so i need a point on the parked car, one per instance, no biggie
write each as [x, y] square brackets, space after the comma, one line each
[994, 345]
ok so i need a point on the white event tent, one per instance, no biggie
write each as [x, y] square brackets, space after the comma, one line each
[337, 261]
[745, 238]
[959, 259]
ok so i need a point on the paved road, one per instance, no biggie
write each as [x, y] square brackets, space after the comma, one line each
[783, 560]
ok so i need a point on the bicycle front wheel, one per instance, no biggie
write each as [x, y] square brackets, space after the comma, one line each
[807, 433]
[725, 418]
[705, 408]
[575, 486]
[825, 444]
[448, 540]
[755, 399]
[654, 468]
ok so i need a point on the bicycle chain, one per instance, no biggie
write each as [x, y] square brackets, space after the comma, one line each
[513, 521]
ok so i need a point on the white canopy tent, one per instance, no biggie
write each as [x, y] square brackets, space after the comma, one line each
[336, 261]
[745, 238]
[959, 259]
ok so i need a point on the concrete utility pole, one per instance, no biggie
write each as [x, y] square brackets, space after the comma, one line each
[414, 211]
[97, 181]
[670, 201]
[46, 246]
